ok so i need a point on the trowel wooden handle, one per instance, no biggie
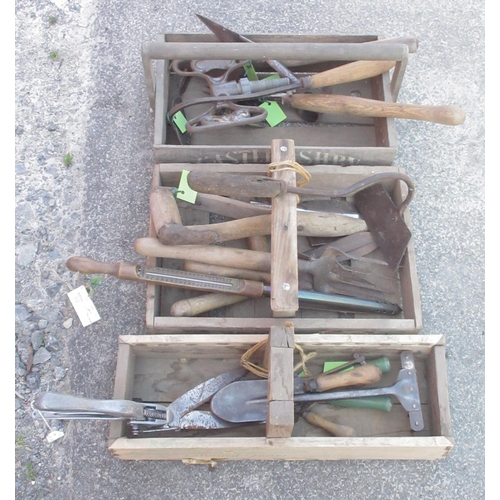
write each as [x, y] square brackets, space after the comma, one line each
[86, 265]
[364, 374]
[331, 427]
[359, 106]
[204, 303]
[350, 72]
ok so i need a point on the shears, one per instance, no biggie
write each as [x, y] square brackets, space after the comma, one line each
[144, 418]
[295, 91]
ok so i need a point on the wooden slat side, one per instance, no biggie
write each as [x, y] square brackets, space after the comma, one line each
[167, 324]
[152, 295]
[335, 448]
[410, 292]
[162, 79]
[284, 266]
[280, 414]
[242, 154]
[124, 375]
[438, 393]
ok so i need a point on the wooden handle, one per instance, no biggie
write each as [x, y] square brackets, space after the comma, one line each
[308, 224]
[204, 303]
[359, 106]
[350, 72]
[331, 427]
[207, 234]
[86, 265]
[365, 374]
[232, 257]
[163, 208]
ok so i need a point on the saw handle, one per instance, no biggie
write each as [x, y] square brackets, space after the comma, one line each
[359, 106]
[364, 374]
[86, 265]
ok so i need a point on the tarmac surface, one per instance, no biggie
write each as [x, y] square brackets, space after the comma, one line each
[80, 90]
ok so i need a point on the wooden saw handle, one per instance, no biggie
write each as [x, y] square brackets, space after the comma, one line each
[331, 427]
[364, 374]
[359, 106]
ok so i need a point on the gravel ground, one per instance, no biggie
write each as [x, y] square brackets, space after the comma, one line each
[83, 161]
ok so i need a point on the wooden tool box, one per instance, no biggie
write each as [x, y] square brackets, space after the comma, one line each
[185, 351]
[334, 139]
[162, 367]
[255, 315]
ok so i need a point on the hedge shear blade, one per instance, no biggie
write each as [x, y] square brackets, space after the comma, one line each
[144, 417]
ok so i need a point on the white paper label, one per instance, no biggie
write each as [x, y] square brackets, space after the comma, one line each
[84, 306]
[54, 436]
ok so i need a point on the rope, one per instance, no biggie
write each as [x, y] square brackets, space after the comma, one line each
[262, 372]
[278, 166]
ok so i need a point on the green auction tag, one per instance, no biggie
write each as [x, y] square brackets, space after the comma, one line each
[184, 192]
[180, 120]
[275, 114]
[250, 72]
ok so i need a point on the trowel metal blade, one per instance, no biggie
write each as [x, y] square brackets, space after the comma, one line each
[385, 223]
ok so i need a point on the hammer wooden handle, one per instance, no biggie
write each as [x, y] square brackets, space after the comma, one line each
[365, 374]
[359, 106]
[331, 427]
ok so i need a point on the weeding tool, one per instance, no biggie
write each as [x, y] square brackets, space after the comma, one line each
[383, 219]
[210, 283]
[246, 401]
[144, 418]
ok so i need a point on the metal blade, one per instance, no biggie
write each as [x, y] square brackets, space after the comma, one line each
[223, 34]
[385, 223]
[201, 394]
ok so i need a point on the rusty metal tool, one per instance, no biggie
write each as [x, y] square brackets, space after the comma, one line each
[246, 401]
[222, 80]
[170, 230]
[220, 284]
[383, 219]
[144, 418]
[326, 103]
[255, 186]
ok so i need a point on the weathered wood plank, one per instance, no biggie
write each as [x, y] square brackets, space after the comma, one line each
[284, 267]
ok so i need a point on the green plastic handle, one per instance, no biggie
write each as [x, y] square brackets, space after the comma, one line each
[383, 363]
[381, 403]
